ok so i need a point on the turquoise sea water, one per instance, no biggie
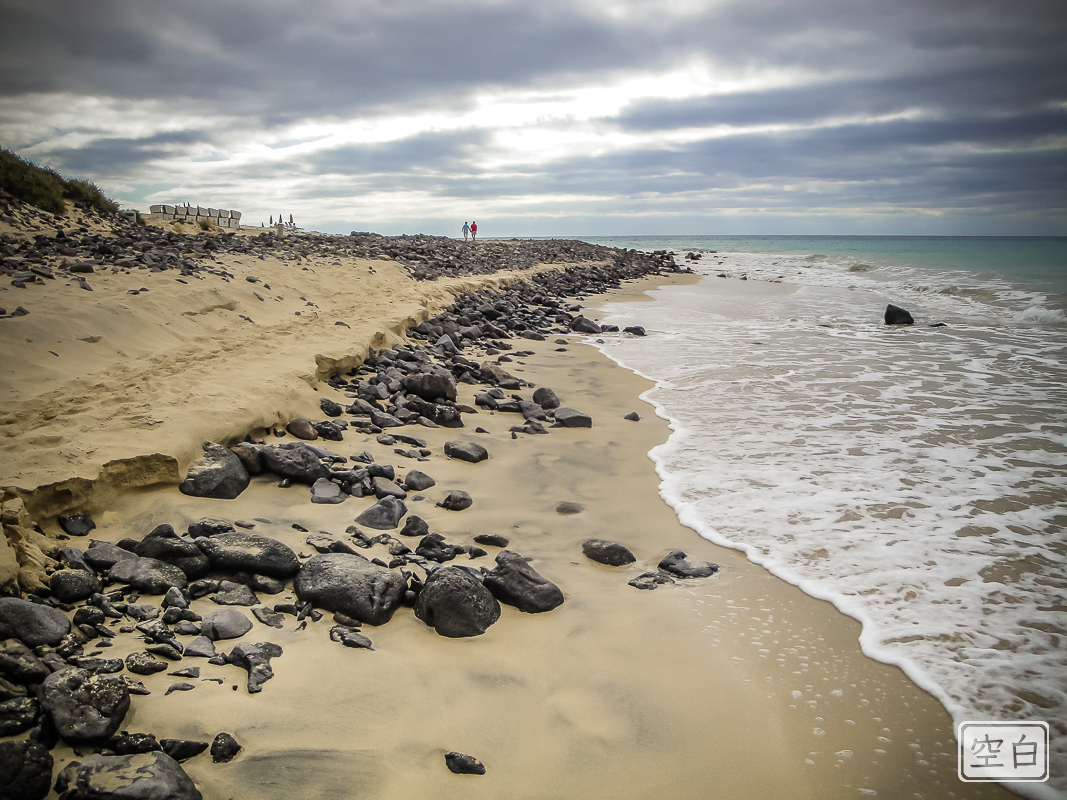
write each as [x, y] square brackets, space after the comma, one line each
[1034, 262]
[914, 476]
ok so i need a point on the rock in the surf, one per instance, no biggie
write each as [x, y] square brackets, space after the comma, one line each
[677, 563]
[895, 315]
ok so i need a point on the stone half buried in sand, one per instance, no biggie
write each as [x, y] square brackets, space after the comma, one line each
[248, 552]
[132, 777]
[466, 451]
[84, 706]
[612, 554]
[570, 418]
[515, 582]
[352, 585]
[384, 515]
[456, 604]
[219, 474]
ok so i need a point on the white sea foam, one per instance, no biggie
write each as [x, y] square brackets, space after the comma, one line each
[915, 477]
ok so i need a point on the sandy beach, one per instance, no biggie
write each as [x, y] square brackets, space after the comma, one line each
[737, 685]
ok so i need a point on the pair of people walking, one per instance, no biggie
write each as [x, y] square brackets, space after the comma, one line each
[470, 230]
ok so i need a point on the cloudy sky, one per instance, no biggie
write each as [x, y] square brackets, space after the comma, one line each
[555, 117]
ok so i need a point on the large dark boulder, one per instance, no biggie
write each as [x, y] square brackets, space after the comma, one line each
[466, 451]
[248, 552]
[84, 706]
[295, 461]
[456, 604]
[545, 397]
[515, 582]
[220, 473]
[140, 776]
[383, 515]
[430, 385]
[33, 624]
[72, 585]
[164, 544]
[25, 770]
[895, 315]
[352, 585]
[604, 552]
[150, 575]
[677, 563]
[583, 325]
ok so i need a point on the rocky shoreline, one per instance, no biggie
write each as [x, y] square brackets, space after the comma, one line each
[171, 599]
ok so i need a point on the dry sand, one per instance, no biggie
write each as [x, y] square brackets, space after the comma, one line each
[738, 686]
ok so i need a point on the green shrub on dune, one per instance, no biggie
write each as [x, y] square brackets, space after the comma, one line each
[47, 189]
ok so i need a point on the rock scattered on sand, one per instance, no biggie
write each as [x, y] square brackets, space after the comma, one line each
[456, 604]
[224, 748]
[466, 451]
[456, 500]
[384, 515]
[570, 418]
[462, 764]
[604, 552]
[351, 585]
[515, 582]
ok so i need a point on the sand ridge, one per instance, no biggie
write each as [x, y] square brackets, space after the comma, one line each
[150, 363]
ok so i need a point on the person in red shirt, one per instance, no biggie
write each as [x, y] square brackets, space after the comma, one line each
[474, 231]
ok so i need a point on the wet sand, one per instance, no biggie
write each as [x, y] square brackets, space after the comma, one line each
[736, 686]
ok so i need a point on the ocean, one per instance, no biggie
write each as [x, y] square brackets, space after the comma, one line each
[914, 476]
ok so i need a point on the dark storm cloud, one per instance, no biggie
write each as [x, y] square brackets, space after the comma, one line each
[326, 58]
[424, 153]
[118, 157]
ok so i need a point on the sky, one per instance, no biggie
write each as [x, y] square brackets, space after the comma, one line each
[555, 117]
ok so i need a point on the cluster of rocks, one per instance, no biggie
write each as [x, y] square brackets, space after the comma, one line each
[51, 691]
